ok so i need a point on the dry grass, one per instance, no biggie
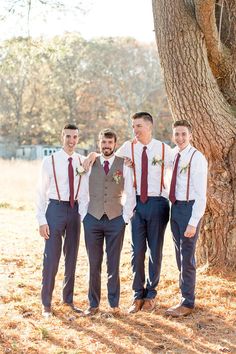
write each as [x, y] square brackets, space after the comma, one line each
[211, 329]
[18, 180]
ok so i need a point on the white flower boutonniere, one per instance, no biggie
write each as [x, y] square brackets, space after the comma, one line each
[117, 176]
[79, 170]
[157, 161]
[184, 168]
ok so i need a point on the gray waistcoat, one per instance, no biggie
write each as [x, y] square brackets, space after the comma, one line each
[105, 194]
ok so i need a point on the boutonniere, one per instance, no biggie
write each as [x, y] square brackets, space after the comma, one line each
[157, 160]
[117, 176]
[184, 168]
[80, 170]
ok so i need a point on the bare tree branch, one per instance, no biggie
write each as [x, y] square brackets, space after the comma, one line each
[228, 28]
[205, 15]
[221, 58]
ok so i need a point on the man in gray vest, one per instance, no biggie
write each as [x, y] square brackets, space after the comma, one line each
[104, 217]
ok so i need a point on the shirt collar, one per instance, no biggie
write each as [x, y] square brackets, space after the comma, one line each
[149, 146]
[66, 156]
[185, 151]
[111, 160]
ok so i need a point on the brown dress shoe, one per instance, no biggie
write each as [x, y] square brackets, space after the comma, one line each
[136, 306]
[178, 311]
[73, 307]
[115, 310]
[46, 312]
[91, 311]
[149, 305]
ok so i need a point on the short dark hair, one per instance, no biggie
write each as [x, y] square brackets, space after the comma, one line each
[145, 115]
[107, 133]
[71, 126]
[182, 123]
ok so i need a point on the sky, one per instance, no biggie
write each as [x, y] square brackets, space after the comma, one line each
[120, 18]
[104, 18]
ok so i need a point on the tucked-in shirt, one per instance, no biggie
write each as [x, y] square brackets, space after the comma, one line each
[154, 152]
[128, 198]
[197, 182]
[46, 186]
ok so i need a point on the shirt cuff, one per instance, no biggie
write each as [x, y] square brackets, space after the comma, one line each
[193, 221]
[42, 221]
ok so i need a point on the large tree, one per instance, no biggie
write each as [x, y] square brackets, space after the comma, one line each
[196, 40]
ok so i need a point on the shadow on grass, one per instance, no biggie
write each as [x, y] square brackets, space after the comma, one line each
[155, 333]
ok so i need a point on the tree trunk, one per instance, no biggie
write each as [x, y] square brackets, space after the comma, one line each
[194, 94]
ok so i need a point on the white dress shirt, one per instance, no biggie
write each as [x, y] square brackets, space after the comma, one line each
[197, 183]
[128, 199]
[46, 187]
[154, 150]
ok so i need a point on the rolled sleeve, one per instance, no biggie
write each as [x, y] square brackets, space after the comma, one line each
[199, 179]
[130, 195]
[42, 193]
[84, 195]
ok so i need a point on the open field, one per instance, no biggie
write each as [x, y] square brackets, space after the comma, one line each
[210, 329]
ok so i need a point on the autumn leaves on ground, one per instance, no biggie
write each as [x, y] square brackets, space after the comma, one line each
[211, 328]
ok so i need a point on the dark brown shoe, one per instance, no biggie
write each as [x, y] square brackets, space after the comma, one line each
[91, 311]
[149, 305]
[115, 310]
[73, 307]
[178, 311]
[136, 306]
[46, 312]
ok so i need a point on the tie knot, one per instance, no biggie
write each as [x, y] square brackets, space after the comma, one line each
[106, 163]
[70, 159]
[144, 148]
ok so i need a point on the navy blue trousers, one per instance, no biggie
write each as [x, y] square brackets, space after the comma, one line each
[64, 223]
[185, 247]
[148, 226]
[95, 232]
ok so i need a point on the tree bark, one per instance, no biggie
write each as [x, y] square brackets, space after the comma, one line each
[194, 94]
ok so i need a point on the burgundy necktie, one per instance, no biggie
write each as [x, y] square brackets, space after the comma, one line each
[71, 182]
[106, 166]
[144, 175]
[173, 181]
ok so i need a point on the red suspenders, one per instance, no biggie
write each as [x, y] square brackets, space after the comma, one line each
[77, 192]
[55, 179]
[135, 179]
[188, 180]
[162, 168]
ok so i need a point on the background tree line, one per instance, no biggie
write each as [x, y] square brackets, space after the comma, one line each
[95, 84]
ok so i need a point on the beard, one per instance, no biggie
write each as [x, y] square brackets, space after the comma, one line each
[107, 152]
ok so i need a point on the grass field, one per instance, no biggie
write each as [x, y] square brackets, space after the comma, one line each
[210, 329]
